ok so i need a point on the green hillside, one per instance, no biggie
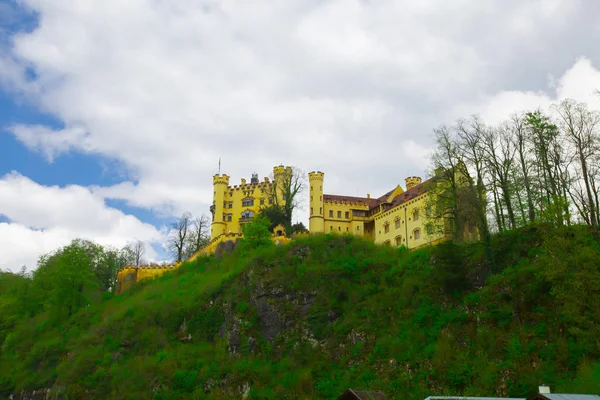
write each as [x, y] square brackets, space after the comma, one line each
[310, 319]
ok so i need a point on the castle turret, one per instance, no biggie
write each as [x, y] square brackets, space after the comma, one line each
[280, 173]
[316, 220]
[412, 181]
[218, 226]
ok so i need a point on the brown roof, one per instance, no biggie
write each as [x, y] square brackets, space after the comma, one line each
[352, 394]
[410, 194]
[351, 199]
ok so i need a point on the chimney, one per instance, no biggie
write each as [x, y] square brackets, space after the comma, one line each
[544, 389]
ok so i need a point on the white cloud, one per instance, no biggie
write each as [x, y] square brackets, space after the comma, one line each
[48, 141]
[579, 82]
[349, 87]
[43, 218]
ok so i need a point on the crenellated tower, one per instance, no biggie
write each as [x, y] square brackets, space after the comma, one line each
[280, 174]
[218, 226]
[412, 181]
[316, 222]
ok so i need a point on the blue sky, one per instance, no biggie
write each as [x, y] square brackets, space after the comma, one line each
[113, 114]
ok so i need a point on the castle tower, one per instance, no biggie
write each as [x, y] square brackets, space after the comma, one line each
[279, 175]
[412, 181]
[218, 226]
[316, 222]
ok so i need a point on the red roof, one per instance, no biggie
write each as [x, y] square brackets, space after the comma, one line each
[410, 194]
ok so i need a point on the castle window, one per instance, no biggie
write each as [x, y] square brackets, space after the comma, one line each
[415, 215]
[387, 243]
[320, 210]
[339, 228]
[339, 214]
[398, 240]
[386, 227]
[331, 228]
[249, 202]
[311, 211]
[347, 229]
[270, 201]
[417, 234]
[330, 213]
[229, 216]
[262, 201]
[247, 214]
[347, 214]
[358, 228]
[397, 223]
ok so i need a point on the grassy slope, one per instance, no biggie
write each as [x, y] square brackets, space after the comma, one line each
[352, 315]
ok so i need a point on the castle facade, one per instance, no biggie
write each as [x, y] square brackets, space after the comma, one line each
[397, 218]
[234, 206]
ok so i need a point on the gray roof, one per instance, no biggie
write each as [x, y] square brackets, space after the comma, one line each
[481, 398]
[563, 396]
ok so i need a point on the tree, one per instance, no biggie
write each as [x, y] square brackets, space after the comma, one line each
[69, 274]
[449, 205]
[580, 127]
[548, 162]
[135, 252]
[113, 260]
[198, 235]
[179, 235]
[285, 192]
[276, 215]
[500, 161]
[520, 141]
[256, 234]
[299, 228]
[471, 137]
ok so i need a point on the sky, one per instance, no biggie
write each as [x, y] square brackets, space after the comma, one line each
[114, 114]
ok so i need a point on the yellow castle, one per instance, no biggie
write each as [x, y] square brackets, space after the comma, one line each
[397, 218]
[234, 206]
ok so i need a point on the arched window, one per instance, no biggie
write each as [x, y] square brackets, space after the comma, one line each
[397, 222]
[247, 214]
[415, 214]
[398, 240]
[387, 243]
[417, 234]
[386, 227]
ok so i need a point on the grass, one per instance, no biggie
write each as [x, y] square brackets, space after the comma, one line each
[346, 313]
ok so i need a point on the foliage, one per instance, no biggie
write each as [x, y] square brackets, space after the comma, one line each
[256, 234]
[276, 215]
[346, 312]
